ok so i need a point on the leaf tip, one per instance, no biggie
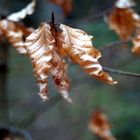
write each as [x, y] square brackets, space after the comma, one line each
[65, 95]
[43, 97]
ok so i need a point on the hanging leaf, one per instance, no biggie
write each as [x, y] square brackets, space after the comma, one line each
[66, 5]
[100, 126]
[45, 59]
[39, 48]
[16, 32]
[78, 47]
[46, 48]
[59, 75]
[123, 20]
[28, 10]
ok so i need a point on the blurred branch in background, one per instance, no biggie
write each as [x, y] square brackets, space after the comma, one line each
[115, 43]
[30, 117]
[120, 72]
[92, 17]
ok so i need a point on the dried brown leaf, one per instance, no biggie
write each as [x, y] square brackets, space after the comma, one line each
[39, 46]
[78, 47]
[47, 46]
[59, 75]
[28, 10]
[100, 126]
[15, 33]
[123, 22]
[46, 60]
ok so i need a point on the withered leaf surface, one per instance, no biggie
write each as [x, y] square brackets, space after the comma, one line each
[28, 10]
[39, 46]
[47, 46]
[78, 47]
[15, 33]
[46, 60]
[122, 21]
[100, 126]
[59, 75]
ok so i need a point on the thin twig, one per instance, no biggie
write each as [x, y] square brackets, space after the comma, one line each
[93, 17]
[115, 43]
[120, 72]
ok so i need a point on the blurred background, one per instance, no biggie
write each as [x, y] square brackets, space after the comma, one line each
[22, 109]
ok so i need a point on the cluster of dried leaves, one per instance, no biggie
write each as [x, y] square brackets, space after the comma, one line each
[100, 126]
[125, 21]
[48, 46]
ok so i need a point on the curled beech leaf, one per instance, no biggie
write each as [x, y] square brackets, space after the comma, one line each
[39, 47]
[16, 32]
[78, 47]
[45, 59]
[28, 10]
[47, 46]
[100, 126]
[123, 20]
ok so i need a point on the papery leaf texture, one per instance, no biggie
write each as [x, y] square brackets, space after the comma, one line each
[28, 10]
[66, 5]
[100, 126]
[123, 22]
[48, 46]
[78, 47]
[46, 59]
[123, 19]
[16, 32]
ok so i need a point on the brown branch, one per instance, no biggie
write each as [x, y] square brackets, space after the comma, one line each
[120, 72]
[93, 17]
[115, 43]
